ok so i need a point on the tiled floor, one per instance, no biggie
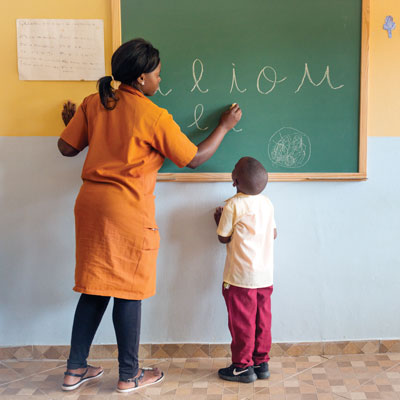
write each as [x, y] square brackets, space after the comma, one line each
[372, 376]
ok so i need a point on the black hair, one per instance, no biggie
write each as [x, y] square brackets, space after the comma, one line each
[253, 177]
[128, 62]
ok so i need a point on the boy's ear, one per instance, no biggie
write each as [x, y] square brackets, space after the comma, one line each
[235, 183]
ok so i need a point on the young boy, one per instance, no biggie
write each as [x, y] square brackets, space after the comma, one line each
[247, 225]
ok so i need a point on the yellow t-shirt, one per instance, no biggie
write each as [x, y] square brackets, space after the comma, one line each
[250, 253]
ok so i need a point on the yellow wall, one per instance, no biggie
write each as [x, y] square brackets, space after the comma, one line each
[384, 74]
[33, 108]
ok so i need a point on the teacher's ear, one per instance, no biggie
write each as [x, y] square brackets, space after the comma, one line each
[140, 80]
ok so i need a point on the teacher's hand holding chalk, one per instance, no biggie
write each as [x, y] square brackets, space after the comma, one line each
[232, 116]
[207, 147]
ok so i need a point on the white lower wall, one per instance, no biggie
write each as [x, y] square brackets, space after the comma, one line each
[337, 263]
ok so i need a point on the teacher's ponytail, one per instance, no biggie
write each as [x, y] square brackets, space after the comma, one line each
[106, 92]
[128, 62]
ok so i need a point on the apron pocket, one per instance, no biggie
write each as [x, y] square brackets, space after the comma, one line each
[151, 238]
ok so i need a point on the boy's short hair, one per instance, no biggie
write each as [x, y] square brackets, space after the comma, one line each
[253, 176]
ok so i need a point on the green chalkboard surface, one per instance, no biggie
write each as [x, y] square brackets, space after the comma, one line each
[294, 67]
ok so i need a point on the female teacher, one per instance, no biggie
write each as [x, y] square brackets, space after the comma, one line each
[117, 238]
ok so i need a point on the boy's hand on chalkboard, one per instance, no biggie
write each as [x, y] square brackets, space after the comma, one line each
[68, 112]
[231, 117]
[217, 214]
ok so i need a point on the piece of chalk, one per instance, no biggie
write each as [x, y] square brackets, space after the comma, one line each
[233, 105]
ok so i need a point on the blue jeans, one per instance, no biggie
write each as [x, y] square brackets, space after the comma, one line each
[126, 319]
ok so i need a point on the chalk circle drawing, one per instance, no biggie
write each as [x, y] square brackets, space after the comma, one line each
[289, 148]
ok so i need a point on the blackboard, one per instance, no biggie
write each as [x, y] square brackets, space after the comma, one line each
[296, 68]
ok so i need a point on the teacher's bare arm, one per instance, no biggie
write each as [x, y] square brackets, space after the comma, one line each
[66, 149]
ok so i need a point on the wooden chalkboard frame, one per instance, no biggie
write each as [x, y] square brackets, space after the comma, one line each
[281, 177]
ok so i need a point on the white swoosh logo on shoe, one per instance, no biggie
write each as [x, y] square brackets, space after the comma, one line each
[236, 373]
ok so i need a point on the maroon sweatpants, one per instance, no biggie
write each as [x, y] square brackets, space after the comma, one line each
[249, 320]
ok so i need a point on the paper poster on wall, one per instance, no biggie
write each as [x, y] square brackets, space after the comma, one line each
[60, 49]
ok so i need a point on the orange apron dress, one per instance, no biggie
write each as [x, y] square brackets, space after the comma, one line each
[117, 237]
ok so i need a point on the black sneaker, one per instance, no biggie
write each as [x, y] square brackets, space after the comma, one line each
[236, 374]
[262, 370]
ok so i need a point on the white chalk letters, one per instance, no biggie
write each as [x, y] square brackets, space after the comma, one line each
[197, 79]
[274, 81]
[234, 81]
[326, 76]
[197, 117]
[265, 83]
